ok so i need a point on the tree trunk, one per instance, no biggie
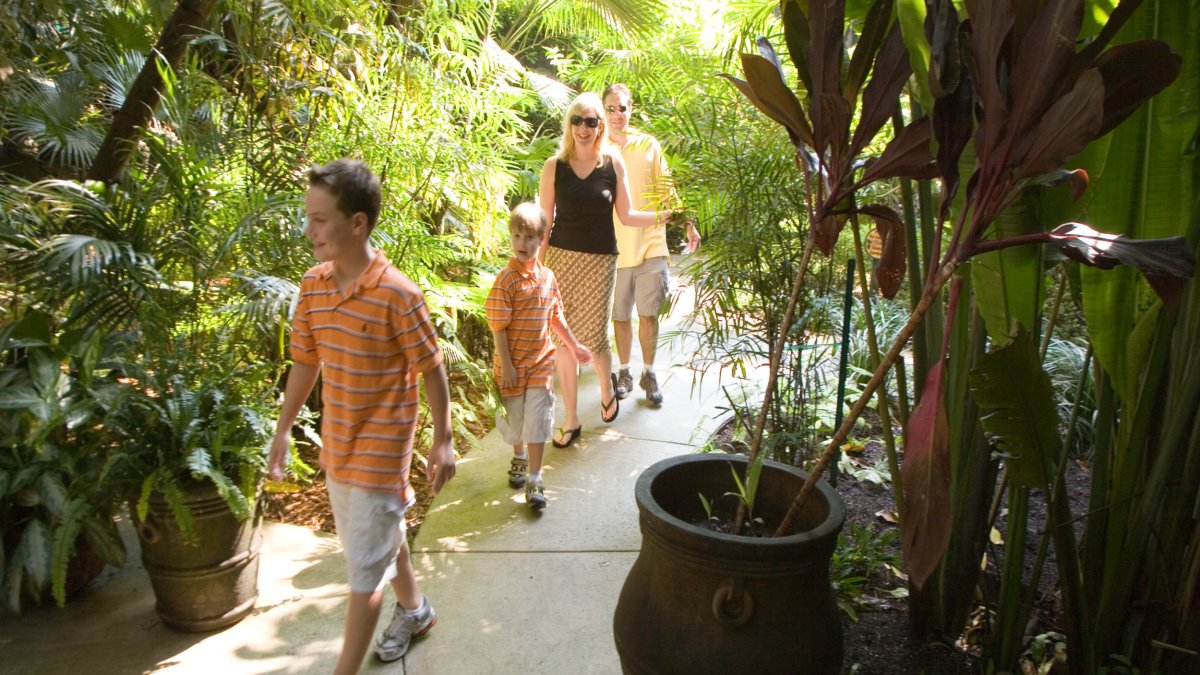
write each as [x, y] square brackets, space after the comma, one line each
[400, 11]
[143, 97]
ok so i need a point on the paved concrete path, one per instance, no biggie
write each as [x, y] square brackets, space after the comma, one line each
[516, 592]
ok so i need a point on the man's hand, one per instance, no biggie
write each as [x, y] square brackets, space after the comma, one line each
[439, 465]
[279, 453]
[693, 236]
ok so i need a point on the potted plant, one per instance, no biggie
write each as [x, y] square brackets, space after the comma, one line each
[1028, 111]
[56, 515]
[188, 437]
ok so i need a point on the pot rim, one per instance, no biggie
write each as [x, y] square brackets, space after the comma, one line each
[830, 526]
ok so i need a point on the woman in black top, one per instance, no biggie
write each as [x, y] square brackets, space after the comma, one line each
[580, 186]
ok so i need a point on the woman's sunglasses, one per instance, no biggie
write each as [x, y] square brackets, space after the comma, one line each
[591, 122]
[614, 108]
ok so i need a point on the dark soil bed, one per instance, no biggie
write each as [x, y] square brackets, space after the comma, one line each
[879, 639]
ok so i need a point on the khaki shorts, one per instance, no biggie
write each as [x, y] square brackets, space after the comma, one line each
[528, 418]
[370, 526]
[646, 285]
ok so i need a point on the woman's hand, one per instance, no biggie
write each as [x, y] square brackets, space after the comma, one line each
[582, 354]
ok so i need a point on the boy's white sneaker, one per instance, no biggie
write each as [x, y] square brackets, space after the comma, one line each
[399, 634]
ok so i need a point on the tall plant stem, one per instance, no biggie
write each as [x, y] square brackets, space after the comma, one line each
[776, 358]
[928, 298]
[1052, 320]
[885, 415]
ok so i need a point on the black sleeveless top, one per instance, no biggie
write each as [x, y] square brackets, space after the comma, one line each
[584, 218]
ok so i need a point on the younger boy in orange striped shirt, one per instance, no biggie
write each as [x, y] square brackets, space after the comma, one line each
[522, 308]
[364, 325]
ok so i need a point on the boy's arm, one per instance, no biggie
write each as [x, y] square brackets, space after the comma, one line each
[439, 465]
[299, 384]
[559, 325]
[508, 372]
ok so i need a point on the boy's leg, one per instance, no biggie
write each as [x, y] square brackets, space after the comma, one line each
[413, 616]
[362, 615]
[509, 421]
[408, 593]
[371, 528]
[536, 452]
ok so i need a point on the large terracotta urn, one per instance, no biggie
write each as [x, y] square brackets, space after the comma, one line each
[702, 601]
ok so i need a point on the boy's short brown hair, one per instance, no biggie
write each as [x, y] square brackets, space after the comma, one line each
[352, 184]
[527, 217]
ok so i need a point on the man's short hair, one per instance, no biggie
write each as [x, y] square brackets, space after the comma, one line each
[352, 184]
[527, 217]
[614, 88]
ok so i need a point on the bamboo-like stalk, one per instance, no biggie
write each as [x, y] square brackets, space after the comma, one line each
[928, 297]
[776, 358]
[885, 415]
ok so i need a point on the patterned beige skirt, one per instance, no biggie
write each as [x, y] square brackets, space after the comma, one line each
[586, 282]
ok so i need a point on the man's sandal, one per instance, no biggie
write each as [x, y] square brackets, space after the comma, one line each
[569, 434]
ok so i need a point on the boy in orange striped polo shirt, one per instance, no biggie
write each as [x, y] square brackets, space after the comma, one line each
[365, 326]
[522, 308]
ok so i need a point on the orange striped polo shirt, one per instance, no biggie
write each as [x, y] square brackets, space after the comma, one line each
[371, 345]
[523, 302]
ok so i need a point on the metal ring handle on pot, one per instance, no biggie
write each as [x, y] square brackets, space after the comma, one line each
[732, 595]
[148, 528]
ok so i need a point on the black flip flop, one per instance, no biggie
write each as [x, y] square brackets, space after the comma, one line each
[614, 403]
[572, 434]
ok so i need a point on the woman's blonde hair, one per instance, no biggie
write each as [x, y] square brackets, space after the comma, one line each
[566, 148]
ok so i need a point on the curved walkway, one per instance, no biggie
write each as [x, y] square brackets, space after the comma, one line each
[516, 592]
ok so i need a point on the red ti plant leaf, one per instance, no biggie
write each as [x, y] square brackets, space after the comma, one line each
[1076, 180]
[889, 274]
[941, 29]
[1066, 128]
[925, 476]
[874, 30]
[953, 120]
[825, 21]
[1166, 262]
[990, 24]
[829, 226]
[767, 81]
[882, 95]
[798, 136]
[907, 155]
[1042, 59]
[795, 31]
[1133, 72]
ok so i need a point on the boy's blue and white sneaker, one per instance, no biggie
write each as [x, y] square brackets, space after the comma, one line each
[516, 472]
[404, 627]
[535, 494]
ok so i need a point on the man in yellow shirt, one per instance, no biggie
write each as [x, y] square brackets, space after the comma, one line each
[643, 255]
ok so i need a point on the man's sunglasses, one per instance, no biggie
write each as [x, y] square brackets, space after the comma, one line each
[614, 108]
[591, 122]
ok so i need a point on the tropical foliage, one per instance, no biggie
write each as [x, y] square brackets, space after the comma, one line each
[159, 290]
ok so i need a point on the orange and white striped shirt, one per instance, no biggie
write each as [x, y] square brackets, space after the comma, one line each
[522, 302]
[371, 344]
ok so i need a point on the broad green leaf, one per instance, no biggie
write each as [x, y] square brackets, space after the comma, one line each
[65, 538]
[911, 14]
[33, 552]
[1145, 186]
[1021, 416]
[104, 539]
[1008, 283]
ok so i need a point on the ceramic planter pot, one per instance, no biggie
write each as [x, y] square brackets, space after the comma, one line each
[209, 585]
[701, 601]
